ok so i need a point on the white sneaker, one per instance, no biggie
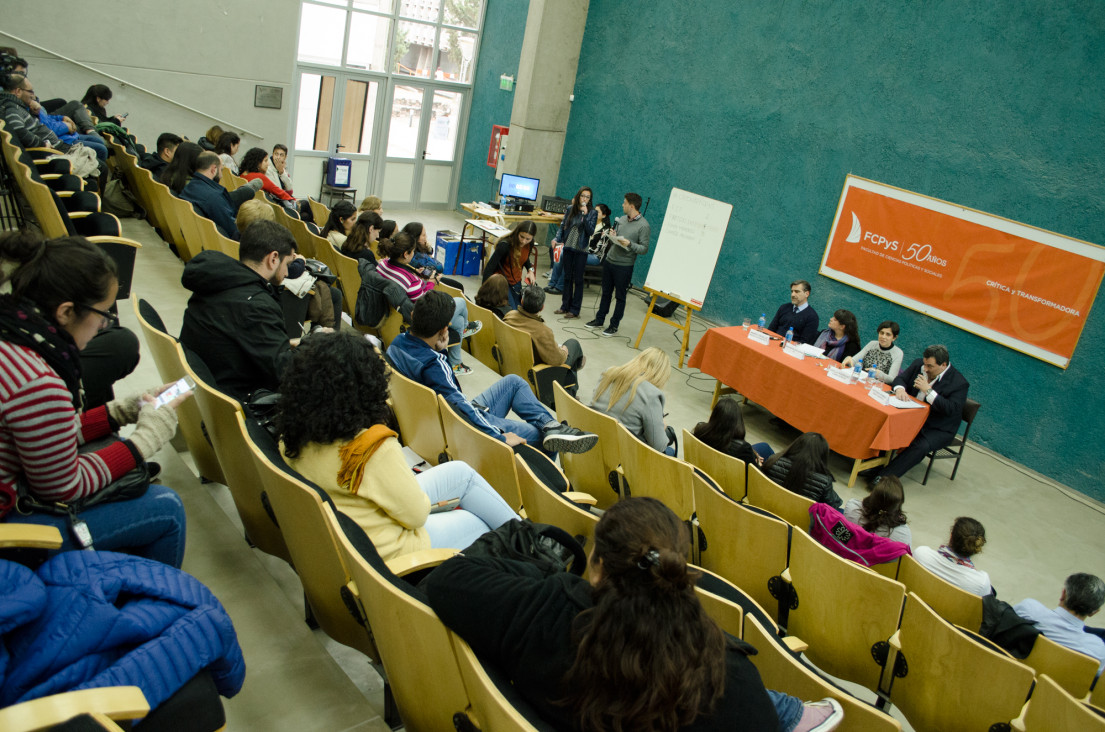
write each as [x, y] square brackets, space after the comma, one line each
[820, 716]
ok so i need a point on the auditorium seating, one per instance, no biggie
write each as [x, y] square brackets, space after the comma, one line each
[491, 458]
[727, 471]
[765, 493]
[593, 471]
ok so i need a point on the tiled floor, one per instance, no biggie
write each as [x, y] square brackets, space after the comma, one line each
[1038, 531]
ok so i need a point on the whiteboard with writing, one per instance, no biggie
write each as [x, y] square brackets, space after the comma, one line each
[686, 252]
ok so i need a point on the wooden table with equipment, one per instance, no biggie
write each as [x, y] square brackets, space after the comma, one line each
[801, 393]
[483, 211]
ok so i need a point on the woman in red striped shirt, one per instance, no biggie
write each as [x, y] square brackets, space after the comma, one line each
[60, 295]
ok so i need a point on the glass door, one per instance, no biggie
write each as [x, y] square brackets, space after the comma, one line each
[421, 150]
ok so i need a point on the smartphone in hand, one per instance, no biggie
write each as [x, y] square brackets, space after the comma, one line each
[183, 386]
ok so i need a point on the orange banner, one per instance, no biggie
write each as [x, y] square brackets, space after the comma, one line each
[1023, 287]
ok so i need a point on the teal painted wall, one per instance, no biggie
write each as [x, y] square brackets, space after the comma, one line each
[995, 106]
[500, 49]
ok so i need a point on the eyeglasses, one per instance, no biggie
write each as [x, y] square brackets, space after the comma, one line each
[108, 318]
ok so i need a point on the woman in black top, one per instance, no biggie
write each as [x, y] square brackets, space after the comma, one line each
[511, 259]
[725, 433]
[96, 99]
[841, 338]
[630, 649]
[493, 295]
[803, 468]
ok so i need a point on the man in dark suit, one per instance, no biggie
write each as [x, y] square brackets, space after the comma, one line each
[932, 379]
[797, 314]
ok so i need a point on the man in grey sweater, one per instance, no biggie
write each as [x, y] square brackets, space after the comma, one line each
[632, 234]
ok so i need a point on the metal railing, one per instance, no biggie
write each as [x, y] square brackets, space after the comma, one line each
[127, 84]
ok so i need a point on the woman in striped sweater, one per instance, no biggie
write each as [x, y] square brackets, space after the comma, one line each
[60, 293]
[398, 252]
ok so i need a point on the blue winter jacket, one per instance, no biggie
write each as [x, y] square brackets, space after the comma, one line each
[414, 358]
[95, 619]
[212, 201]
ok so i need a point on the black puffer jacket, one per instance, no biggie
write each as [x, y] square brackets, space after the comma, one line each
[235, 324]
[819, 487]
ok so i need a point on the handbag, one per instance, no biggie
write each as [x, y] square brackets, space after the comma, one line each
[320, 271]
[549, 548]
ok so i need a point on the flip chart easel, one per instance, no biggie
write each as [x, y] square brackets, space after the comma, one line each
[685, 327]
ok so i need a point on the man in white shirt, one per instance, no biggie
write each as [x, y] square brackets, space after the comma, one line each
[1082, 596]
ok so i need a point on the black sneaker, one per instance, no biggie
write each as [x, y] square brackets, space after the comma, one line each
[473, 327]
[154, 469]
[594, 324]
[564, 438]
[610, 331]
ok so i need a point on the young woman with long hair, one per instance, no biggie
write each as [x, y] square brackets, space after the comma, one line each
[339, 439]
[340, 222]
[226, 148]
[881, 511]
[725, 433]
[803, 468]
[493, 295]
[841, 339]
[424, 259]
[511, 259]
[629, 648]
[255, 164]
[364, 237]
[633, 394]
[574, 234]
[179, 170]
[61, 295]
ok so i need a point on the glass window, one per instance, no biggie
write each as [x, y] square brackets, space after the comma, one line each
[414, 49]
[316, 102]
[444, 124]
[420, 9]
[465, 13]
[457, 58]
[383, 6]
[359, 110]
[321, 31]
[368, 47]
[406, 115]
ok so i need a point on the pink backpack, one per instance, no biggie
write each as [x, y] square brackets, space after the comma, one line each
[851, 541]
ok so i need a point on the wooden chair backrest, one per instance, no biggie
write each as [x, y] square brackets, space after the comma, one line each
[546, 506]
[726, 470]
[211, 239]
[415, 647]
[349, 277]
[123, 253]
[649, 472]
[417, 411]
[320, 211]
[167, 357]
[42, 204]
[765, 493]
[513, 349]
[1097, 694]
[1052, 709]
[590, 471]
[1068, 668]
[743, 546]
[313, 548]
[449, 290]
[953, 682]
[952, 603]
[491, 458]
[482, 345]
[493, 710]
[220, 417]
[843, 610]
[783, 671]
[389, 327]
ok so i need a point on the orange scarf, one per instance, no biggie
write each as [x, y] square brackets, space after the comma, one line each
[356, 452]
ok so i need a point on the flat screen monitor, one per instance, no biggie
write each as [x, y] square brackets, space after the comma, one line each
[516, 186]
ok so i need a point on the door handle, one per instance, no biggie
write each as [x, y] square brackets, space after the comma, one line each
[423, 154]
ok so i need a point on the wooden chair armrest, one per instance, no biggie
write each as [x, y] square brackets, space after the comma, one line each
[795, 643]
[116, 702]
[404, 564]
[33, 536]
[114, 240]
[580, 497]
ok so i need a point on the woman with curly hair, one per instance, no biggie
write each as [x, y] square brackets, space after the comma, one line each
[339, 439]
[629, 648]
[954, 561]
[881, 511]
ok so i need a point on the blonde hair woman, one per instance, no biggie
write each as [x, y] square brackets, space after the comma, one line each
[633, 394]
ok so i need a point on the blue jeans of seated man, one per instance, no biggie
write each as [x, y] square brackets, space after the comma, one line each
[787, 708]
[482, 508]
[152, 526]
[512, 394]
[458, 323]
[616, 279]
[95, 143]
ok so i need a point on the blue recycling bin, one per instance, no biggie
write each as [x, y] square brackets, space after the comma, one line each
[339, 172]
[447, 250]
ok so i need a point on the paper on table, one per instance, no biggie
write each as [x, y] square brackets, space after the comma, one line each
[905, 403]
[810, 350]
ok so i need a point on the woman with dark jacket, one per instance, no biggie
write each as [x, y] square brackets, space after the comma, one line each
[841, 338]
[179, 170]
[725, 433]
[575, 234]
[803, 468]
[629, 648]
[511, 259]
[96, 99]
[493, 295]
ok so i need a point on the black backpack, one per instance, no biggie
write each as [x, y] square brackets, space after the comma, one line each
[549, 548]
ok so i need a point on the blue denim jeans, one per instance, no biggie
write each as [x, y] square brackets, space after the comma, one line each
[616, 279]
[787, 708]
[512, 393]
[481, 508]
[152, 526]
[95, 143]
[458, 323]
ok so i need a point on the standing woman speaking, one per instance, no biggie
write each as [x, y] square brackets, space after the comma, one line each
[575, 234]
[511, 259]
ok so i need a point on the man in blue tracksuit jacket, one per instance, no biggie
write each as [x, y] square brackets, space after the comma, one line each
[419, 355]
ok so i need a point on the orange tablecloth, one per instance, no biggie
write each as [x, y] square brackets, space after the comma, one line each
[800, 392]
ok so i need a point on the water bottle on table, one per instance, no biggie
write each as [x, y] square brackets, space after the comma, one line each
[857, 371]
[763, 320]
[789, 336]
